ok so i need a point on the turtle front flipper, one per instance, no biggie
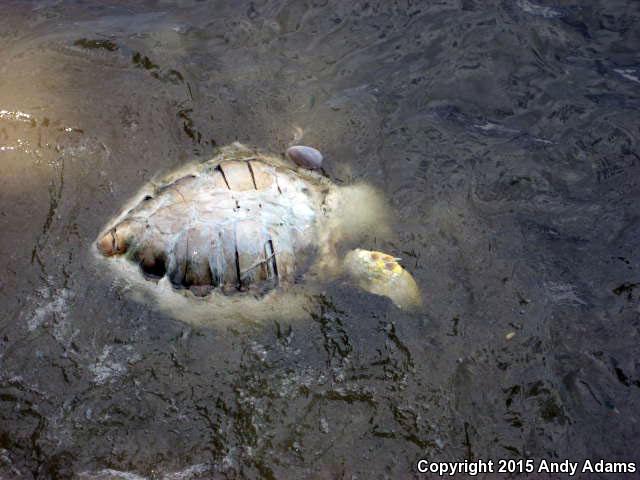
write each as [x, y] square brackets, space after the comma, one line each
[381, 274]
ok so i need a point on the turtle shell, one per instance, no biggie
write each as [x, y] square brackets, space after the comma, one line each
[235, 225]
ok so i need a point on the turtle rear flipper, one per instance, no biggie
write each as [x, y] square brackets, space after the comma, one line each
[381, 274]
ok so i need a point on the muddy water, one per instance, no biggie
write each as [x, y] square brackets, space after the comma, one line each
[503, 134]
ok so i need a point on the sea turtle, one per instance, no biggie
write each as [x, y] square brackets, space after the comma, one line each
[248, 225]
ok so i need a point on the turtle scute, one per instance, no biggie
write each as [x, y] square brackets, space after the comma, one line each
[237, 225]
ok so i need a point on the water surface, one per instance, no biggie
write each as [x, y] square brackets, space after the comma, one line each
[504, 135]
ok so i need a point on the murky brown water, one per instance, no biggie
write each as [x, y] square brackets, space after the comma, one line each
[505, 136]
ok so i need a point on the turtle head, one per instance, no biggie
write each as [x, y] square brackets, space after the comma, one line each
[381, 274]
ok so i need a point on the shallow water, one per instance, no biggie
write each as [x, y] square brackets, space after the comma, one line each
[504, 135]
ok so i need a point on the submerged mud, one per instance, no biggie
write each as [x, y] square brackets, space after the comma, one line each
[504, 136]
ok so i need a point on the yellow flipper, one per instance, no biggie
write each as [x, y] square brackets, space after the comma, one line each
[381, 274]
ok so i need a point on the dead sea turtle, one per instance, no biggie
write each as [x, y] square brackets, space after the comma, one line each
[247, 225]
